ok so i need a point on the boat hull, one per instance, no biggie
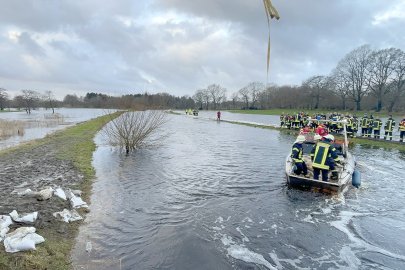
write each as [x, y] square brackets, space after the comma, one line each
[340, 185]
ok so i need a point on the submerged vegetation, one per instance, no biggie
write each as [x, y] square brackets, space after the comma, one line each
[11, 128]
[133, 130]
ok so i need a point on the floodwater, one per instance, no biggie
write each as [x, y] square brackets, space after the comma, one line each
[213, 196]
[37, 124]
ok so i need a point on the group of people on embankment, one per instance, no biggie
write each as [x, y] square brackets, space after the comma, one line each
[368, 126]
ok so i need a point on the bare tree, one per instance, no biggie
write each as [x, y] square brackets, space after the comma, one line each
[206, 98]
[316, 85]
[30, 98]
[340, 86]
[74, 101]
[134, 130]
[398, 80]
[199, 98]
[255, 88]
[217, 94]
[50, 100]
[245, 96]
[353, 67]
[3, 98]
[379, 70]
[234, 99]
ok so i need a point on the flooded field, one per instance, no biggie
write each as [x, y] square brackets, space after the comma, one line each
[41, 122]
[214, 197]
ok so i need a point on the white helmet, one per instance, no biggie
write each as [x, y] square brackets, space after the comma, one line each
[317, 137]
[330, 137]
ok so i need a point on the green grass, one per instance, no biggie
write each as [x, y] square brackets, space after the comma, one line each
[294, 111]
[74, 144]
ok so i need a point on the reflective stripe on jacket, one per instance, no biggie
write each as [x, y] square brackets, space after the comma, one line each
[377, 124]
[389, 126]
[322, 155]
[364, 122]
[296, 153]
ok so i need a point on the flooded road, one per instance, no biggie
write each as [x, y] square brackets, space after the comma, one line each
[214, 197]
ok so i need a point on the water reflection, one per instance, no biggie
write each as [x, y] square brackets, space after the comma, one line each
[214, 197]
[41, 122]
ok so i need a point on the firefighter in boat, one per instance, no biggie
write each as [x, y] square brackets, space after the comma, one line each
[324, 157]
[296, 156]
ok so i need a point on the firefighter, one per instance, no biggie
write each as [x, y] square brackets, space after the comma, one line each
[364, 125]
[377, 123]
[355, 126]
[389, 127]
[323, 157]
[370, 126]
[296, 155]
[349, 126]
[282, 120]
[401, 129]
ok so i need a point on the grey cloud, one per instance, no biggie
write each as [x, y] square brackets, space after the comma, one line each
[98, 52]
[30, 45]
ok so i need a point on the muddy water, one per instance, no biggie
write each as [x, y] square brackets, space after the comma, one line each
[214, 197]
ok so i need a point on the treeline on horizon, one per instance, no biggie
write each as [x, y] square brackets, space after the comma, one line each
[364, 79]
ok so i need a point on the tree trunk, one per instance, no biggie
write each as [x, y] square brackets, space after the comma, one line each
[391, 106]
[379, 104]
[344, 103]
[358, 106]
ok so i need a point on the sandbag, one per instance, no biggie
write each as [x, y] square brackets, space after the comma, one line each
[77, 202]
[5, 221]
[68, 215]
[45, 194]
[60, 193]
[22, 239]
[3, 233]
[24, 218]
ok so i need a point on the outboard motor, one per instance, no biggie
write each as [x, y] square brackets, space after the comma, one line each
[356, 179]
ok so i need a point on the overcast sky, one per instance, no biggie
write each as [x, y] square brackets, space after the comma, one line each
[179, 46]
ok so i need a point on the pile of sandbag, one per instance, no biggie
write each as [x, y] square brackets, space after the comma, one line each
[25, 238]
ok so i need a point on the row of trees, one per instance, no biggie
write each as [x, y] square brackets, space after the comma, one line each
[364, 78]
[30, 100]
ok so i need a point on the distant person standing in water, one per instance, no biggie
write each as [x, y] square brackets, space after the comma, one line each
[218, 116]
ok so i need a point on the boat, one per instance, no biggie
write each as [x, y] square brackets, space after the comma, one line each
[346, 169]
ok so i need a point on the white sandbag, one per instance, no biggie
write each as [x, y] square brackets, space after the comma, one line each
[77, 202]
[68, 215]
[22, 239]
[3, 233]
[24, 192]
[60, 193]
[24, 218]
[5, 221]
[45, 194]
